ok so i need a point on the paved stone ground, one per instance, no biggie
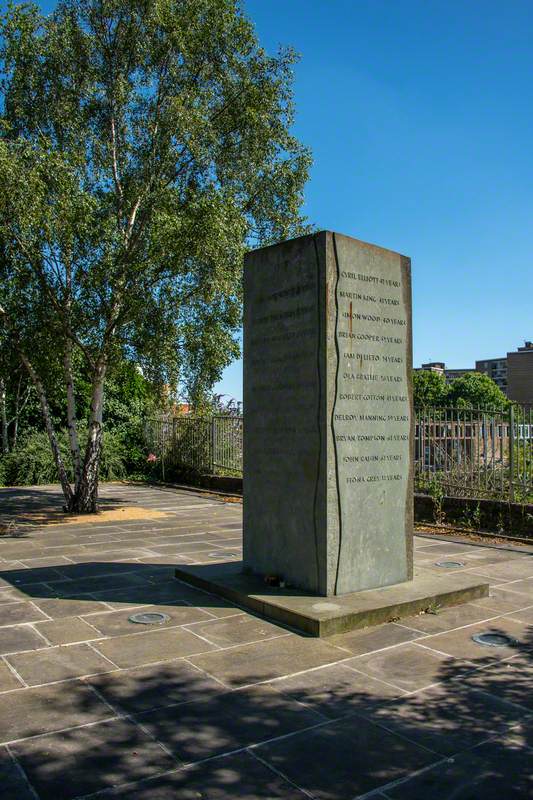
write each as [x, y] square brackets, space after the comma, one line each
[218, 704]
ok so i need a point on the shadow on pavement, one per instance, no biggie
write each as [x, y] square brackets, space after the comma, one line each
[467, 736]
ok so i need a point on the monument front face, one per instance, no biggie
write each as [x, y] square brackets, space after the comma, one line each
[328, 414]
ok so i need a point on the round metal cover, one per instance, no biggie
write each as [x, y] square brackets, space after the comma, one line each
[494, 639]
[149, 618]
[449, 564]
[219, 555]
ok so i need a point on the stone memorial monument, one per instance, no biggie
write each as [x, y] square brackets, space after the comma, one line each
[328, 414]
[328, 442]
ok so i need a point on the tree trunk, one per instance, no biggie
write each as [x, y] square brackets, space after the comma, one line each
[19, 407]
[3, 417]
[85, 499]
[15, 433]
[49, 425]
[15, 420]
[71, 415]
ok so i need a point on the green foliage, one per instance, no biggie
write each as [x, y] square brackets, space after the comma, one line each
[32, 462]
[436, 490]
[129, 399]
[144, 146]
[471, 517]
[475, 390]
[18, 403]
[429, 389]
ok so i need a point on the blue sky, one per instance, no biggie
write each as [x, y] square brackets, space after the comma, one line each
[420, 119]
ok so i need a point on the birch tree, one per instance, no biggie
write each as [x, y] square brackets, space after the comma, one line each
[144, 145]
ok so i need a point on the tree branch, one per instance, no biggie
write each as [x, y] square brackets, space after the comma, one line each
[116, 177]
[37, 269]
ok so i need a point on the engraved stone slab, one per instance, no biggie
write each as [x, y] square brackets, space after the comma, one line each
[328, 414]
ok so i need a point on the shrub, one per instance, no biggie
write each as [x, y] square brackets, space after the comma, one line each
[32, 463]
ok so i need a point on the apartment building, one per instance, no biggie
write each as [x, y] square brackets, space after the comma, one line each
[440, 368]
[495, 368]
[520, 374]
[512, 373]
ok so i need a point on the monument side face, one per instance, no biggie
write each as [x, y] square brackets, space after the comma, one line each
[328, 414]
[284, 460]
[369, 358]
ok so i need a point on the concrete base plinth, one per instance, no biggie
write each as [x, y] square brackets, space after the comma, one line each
[324, 616]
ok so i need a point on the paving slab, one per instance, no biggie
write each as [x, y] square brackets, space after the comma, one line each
[262, 661]
[234, 777]
[67, 630]
[20, 637]
[91, 569]
[58, 664]
[30, 712]
[239, 629]
[524, 615]
[409, 666]
[30, 592]
[156, 591]
[24, 577]
[8, 679]
[58, 608]
[90, 759]
[447, 718]
[97, 584]
[226, 722]
[523, 587]
[494, 555]
[491, 771]
[146, 648]
[55, 561]
[510, 680]
[337, 690]
[12, 596]
[463, 562]
[168, 560]
[13, 613]
[438, 548]
[358, 642]
[9, 566]
[501, 600]
[216, 556]
[459, 642]
[448, 618]
[116, 623]
[156, 686]
[344, 759]
[509, 570]
[13, 782]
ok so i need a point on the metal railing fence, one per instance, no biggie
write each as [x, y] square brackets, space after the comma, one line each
[457, 452]
[475, 452]
[207, 445]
